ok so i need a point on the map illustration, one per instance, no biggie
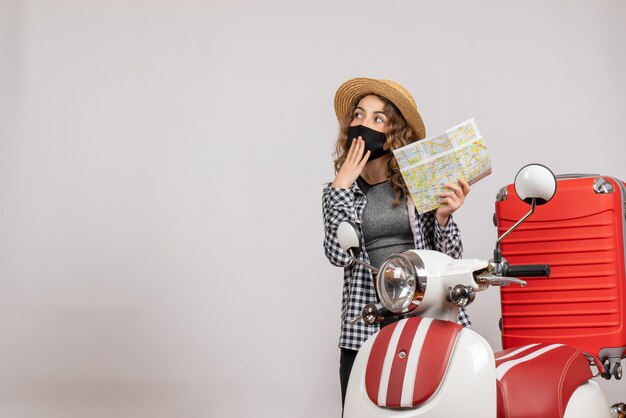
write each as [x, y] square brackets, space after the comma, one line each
[427, 165]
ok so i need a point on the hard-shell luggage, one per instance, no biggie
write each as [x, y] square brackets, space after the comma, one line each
[580, 233]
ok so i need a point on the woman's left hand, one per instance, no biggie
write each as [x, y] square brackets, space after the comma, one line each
[451, 200]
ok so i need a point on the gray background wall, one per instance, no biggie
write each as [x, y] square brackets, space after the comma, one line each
[161, 166]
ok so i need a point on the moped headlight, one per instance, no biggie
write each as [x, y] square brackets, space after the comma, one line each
[401, 282]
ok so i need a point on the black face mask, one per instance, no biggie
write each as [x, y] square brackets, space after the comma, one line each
[374, 140]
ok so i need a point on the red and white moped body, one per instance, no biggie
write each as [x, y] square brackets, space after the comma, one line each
[427, 365]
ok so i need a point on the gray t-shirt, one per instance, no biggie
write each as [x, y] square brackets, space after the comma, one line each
[386, 230]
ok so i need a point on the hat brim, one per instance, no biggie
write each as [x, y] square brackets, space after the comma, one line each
[352, 89]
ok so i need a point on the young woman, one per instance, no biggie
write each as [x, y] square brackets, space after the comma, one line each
[376, 117]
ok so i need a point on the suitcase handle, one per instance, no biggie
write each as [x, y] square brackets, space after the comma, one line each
[575, 176]
[528, 270]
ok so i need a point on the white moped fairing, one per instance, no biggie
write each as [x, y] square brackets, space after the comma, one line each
[426, 365]
[416, 379]
[429, 366]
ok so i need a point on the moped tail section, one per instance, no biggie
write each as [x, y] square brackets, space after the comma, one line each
[588, 401]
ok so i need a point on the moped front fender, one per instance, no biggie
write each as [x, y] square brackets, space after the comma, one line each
[468, 386]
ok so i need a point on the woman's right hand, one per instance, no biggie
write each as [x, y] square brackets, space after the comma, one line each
[352, 166]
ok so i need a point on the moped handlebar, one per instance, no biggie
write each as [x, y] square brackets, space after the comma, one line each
[528, 270]
[503, 274]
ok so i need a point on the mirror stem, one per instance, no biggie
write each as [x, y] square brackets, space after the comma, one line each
[497, 255]
[363, 263]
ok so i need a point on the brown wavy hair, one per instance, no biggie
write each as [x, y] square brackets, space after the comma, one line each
[398, 135]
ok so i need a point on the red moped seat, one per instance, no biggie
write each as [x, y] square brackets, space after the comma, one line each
[537, 380]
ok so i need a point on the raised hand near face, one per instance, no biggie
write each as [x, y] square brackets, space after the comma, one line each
[352, 166]
[451, 200]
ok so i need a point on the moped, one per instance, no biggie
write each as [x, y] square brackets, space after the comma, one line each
[426, 365]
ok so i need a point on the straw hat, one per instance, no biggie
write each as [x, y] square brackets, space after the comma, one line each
[349, 91]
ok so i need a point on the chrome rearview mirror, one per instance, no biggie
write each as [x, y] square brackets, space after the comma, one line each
[350, 241]
[349, 238]
[535, 184]
[535, 181]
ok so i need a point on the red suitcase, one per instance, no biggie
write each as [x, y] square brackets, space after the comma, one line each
[580, 233]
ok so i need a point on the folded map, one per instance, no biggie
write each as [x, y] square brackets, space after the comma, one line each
[429, 164]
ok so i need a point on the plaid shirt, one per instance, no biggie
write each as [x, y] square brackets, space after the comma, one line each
[358, 288]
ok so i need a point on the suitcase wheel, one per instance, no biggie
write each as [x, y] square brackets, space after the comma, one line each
[612, 370]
